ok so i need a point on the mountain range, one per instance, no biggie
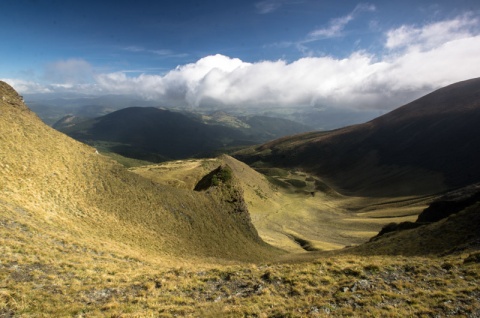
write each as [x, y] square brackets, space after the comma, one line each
[51, 108]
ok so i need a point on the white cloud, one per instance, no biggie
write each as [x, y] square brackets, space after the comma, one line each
[418, 60]
[269, 6]
[358, 81]
[337, 25]
[28, 87]
[431, 35]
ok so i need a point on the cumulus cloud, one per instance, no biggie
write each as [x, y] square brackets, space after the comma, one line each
[358, 81]
[29, 87]
[416, 61]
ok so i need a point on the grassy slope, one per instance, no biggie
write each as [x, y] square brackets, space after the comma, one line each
[67, 185]
[455, 233]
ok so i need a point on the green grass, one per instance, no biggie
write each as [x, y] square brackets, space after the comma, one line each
[273, 172]
[296, 183]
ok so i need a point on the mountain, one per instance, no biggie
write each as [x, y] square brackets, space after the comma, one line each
[154, 134]
[55, 188]
[429, 145]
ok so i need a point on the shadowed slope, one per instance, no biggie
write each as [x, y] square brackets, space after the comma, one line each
[154, 134]
[427, 146]
[68, 186]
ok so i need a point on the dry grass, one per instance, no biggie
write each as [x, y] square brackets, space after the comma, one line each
[66, 279]
[182, 174]
[280, 210]
[80, 236]
[67, 184]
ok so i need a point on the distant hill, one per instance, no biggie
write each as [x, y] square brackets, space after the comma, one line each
[51, 110]
[427, 146]
[257, 128]
[154, 134]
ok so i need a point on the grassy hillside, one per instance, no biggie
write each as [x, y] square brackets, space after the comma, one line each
[449, 224]
[456, 233]
[255, 127]
[64, 183]
[427, 146]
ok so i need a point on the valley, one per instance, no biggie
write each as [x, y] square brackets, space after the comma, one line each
[285, 212]
[82, 235]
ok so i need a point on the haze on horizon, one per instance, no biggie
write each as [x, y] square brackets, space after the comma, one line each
[373, 55]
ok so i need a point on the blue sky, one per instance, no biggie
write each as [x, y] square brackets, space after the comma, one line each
[293, 53]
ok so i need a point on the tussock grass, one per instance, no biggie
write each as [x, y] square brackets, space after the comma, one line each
[89, 283]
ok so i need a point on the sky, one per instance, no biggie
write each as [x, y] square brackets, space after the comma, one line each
[239, 53]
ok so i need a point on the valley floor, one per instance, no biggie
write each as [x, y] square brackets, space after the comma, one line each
[327, 223]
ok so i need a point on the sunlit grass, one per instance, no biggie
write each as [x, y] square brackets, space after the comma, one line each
[68, 280]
